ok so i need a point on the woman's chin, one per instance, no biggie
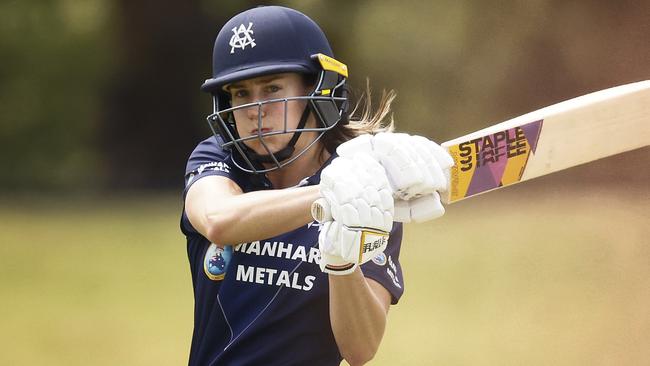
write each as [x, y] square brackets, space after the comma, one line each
[260, 150]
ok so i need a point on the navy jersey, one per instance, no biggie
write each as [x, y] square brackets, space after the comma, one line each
[266, 302]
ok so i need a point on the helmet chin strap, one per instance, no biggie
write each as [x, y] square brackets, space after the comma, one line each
[286, 152]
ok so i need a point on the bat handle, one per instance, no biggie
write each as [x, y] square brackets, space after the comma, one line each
[321, 211]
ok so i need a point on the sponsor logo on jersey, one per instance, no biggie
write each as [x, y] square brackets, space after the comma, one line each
[215, 262]
[295, 279]
[242, 37]
[391, 270]
[217, 166]
[380, 259]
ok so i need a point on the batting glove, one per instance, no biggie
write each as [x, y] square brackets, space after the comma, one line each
[358, 197]
[417, 169]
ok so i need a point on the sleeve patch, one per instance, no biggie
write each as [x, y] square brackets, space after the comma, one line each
[391, 270]
[217, 166]
[213, 166]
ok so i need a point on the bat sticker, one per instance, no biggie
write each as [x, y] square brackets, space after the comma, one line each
[493, 160]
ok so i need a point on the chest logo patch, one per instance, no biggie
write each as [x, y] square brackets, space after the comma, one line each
[215, 262]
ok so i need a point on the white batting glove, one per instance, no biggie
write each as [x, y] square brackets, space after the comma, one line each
[417, 169]
[358, 196]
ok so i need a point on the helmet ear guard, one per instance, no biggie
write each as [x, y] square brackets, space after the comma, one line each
[331, 83]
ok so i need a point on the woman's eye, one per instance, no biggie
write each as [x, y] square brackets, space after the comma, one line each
[240, 93]
[273, 88]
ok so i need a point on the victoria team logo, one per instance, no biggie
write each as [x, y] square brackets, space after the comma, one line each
[216, 261]
[242, 37]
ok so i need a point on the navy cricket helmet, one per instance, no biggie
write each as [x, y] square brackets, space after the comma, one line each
[272, 40]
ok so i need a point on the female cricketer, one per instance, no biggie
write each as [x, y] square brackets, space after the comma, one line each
[271, 285]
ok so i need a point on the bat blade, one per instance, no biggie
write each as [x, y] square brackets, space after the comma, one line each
[561, 136]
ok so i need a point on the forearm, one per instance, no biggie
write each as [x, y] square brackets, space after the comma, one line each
[357, 315]
[260, 214]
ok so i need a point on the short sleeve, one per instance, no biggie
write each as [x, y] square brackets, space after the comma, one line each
[385, 268]
[208, 158]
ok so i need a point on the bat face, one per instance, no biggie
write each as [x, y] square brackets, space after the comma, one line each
[563, 135]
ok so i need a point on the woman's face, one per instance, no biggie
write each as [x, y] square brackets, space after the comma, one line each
[272, 114]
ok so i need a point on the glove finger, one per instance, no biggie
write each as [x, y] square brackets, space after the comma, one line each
[346, 190]
[386, 199]
[374, 171]
[372, 196]
[407, 143]
[326, 180]
[437, 161]
[363, 209]
[376, 219]
[402, 211]
[388, 221]
[428, 161]
[399, 163]
[401, 178]
[377, 178]
[359, 144]
[439, 179]
[426, 208]
[349, 214]
[438, 152]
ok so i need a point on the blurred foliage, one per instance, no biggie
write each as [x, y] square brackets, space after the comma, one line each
[54, 61]
[100, 94]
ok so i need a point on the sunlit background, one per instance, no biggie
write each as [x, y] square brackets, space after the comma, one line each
[100, 107]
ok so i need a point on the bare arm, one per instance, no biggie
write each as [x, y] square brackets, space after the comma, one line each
[358, 310]
[221, 212]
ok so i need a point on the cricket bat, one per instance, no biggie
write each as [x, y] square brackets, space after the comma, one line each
[560, 136]
[557, 137]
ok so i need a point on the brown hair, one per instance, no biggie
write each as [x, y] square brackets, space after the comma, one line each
[368, 121]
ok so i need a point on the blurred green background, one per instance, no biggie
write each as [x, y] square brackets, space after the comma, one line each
[100, 106]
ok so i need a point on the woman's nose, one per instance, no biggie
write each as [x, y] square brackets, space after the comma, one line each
[256, 112]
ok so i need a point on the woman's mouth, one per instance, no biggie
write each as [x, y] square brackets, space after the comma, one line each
[260, 131]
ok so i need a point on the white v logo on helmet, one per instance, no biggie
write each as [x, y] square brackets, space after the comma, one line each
[242, 37]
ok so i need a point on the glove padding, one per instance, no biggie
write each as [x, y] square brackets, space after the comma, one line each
[419, 209]
[417, 168]
[343, 248]
[359, 199]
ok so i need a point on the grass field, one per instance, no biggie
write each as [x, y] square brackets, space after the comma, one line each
[525, 276]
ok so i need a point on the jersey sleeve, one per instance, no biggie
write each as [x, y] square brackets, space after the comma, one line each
[208, 159]
[385, 268]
